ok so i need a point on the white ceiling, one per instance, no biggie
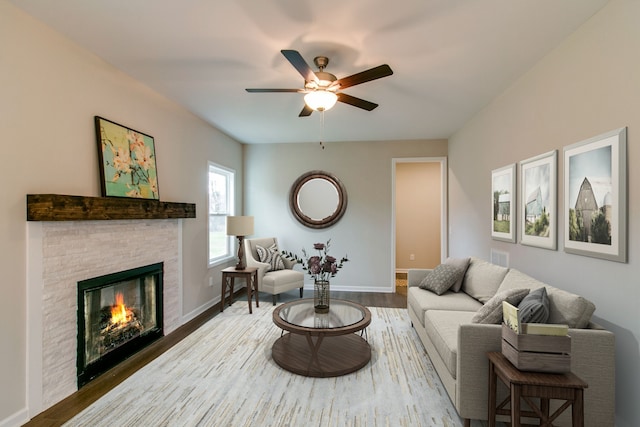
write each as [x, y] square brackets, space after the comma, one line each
[449, 57]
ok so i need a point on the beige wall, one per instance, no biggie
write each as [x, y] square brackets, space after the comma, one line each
[418, 215]
[51, 89]
[587, 86]
[365, 231]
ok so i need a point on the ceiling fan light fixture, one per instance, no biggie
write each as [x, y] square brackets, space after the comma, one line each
[324, 89]
[320, 100]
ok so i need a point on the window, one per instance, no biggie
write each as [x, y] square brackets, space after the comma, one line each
[221, 204]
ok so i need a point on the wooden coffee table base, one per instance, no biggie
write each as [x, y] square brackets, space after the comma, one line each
[321, 356]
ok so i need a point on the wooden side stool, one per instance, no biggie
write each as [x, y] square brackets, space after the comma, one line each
[250, 274]
[527, 385]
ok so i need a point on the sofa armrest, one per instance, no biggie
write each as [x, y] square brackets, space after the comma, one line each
[593, 360]
[415, 275]
[474, 342]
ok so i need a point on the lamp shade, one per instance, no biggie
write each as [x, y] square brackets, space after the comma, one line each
[320, 99]
[239, 225]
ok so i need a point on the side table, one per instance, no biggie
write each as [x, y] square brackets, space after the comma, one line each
[527, 385]
[250, 275]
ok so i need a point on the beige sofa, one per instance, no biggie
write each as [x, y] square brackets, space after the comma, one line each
[457, 347]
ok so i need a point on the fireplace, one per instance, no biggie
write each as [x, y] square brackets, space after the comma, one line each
[118, 315]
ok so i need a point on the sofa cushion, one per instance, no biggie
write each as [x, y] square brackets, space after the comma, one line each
[281, 280]
[534, 308]
[421, 300]
[443, 277]
[462, 264]
[442, 329]
[564, 307]
[569, 309]
[491, 311]
[483, 279]
[517, 279]
[270, 256]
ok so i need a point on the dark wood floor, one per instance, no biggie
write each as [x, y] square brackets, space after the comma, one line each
[72, 405]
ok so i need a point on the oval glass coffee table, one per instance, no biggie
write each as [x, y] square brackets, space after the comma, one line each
[321, 345]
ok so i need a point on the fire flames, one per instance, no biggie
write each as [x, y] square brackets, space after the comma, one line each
[120, 314]
[122, 326]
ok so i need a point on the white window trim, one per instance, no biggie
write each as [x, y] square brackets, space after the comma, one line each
[232, 243]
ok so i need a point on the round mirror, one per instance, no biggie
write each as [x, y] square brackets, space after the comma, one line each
[318, 199]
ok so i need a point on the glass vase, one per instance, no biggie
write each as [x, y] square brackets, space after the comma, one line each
[321, 296]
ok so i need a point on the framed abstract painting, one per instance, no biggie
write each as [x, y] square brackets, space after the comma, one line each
[595, 196]
[538, 213]
[503, 199]
[127, 161]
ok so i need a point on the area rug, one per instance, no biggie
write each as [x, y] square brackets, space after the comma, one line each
[223, 375]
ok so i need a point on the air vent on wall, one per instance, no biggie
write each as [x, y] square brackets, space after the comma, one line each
[500, 258]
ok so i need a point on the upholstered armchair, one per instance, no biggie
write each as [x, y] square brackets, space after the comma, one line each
[275, 274]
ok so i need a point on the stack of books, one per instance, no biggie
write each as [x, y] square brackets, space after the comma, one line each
[536, 347]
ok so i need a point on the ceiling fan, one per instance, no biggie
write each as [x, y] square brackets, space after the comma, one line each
[323, 89]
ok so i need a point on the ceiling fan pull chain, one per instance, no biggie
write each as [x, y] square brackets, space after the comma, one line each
[321, 128]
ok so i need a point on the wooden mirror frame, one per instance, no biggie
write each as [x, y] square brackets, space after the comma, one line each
[305, 219]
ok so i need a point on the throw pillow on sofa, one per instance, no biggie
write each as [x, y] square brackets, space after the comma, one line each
[462, 264]
[491, 311]
[271, 256]
[534, 308]
[441, 279]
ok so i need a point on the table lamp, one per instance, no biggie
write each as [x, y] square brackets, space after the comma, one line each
[240, 226]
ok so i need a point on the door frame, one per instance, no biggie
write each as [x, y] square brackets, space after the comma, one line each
[444, 237]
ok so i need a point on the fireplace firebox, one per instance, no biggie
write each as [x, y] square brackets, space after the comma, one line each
[118, 315]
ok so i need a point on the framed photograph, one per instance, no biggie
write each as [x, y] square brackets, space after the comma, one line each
[538, 213]
[595, 196]
[127, 161]
[503, 199]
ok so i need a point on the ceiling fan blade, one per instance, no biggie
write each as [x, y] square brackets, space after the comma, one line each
[274, 90]
[356, 102]
[364, 76]
[306, 111]
[298, 62]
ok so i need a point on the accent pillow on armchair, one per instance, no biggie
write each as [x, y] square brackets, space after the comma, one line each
[271, 256]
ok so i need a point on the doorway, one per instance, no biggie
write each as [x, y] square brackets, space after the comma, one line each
[419, 217]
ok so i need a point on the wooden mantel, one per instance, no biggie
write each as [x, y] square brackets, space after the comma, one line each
[56, 207]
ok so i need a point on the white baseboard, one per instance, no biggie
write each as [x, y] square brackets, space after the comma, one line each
[307, 287]
[388, 290]
[17, 419]
[198, 311]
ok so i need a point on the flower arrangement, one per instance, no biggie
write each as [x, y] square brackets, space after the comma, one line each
[320, 267]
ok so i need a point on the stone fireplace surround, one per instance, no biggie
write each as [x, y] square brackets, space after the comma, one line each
[61, 253]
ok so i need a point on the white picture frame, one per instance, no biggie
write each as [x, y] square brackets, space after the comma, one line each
[538, 214]
[503, 200]
[595, 186]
